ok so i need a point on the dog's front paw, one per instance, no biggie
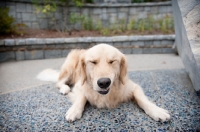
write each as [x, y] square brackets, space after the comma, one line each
[65, 89]
[73, 114]
[157, 113]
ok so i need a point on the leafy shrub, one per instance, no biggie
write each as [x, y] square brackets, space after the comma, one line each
[6, 22]
[165, 25]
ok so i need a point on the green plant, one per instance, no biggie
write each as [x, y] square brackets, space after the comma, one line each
[141, 25]
[165, 25]
[6, 22]
[98, 25]
[131, 25]
[105, 31]
[150, 23]
[48, 7]
[122, 24]
[75, 18]
[88, 24]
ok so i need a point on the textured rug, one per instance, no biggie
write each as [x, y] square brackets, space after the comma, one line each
[43, 108]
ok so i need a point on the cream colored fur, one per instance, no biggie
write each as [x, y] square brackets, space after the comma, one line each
[83, 68]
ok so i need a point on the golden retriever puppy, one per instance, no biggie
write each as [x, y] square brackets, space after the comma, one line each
[99, 75]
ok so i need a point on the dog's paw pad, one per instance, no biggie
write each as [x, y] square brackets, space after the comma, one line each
[65, 89]
[73, 114]
[158, 114]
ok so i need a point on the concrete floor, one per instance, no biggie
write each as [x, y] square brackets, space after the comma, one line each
[20, 75]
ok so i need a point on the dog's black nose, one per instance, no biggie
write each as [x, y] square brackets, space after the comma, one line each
[104, 82]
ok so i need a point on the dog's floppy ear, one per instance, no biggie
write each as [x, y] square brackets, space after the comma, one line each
[83, 70]
[123, 69]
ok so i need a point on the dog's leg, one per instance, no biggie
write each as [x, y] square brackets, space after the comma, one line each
[150, 109]
[76, 110]
[61, 84]
[64, 89]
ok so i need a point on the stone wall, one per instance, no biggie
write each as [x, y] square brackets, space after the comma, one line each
[35, 48]
[187, 30]
[108, 14]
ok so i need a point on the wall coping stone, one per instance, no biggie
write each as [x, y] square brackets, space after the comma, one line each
[129, 5]
[114, 5]
[35, 41]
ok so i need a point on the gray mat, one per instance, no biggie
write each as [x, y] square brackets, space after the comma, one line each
[43, 108]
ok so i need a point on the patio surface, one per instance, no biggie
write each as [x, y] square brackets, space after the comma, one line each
[27, 104]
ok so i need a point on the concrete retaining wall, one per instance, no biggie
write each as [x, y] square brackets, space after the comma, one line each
[32, 48]
[187, 29]
[24, 12]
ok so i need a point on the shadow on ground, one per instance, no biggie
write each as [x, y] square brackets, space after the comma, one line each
[43, 108]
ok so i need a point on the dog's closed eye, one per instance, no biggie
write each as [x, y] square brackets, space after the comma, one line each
[111, 61]
[93, 62]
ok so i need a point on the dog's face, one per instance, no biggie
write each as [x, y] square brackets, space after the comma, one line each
[101, 66]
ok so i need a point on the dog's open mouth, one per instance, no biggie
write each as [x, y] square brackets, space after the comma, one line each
[104, 91]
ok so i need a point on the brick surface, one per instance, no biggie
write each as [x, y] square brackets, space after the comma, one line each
[26, 16]
[85, 11]
[123, 9]
[12, 11]
[19, 55]
[50, 41]
[71, 40]
[152, 50]
[9, 42]
[104, 16]
[65, 52]
[19, 15]
[120, 38]
[59, 40]
[167, 42]
[28, 23]
[29, 8]
[52, 53]
[157, 42]
[137, 51]
[41, 41]
[111, 10]
[35, 25]
[122, 16]
[1, 42]
[20, 41]
[58, 15]
[126, 50]
[148, 43]
[132, 10]
[108, 13]
[112, 18]
[3, 4]
[43, 23]
[34, 54]
[30, 41]
[5, 56]
[163, 9]
[167, 50]
[125, 44]
[137, 43]
[83, 46]
[117, 44]
[70, 46]
[97, 11]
